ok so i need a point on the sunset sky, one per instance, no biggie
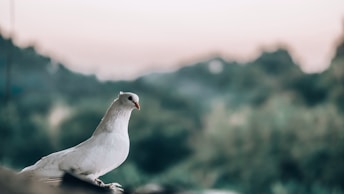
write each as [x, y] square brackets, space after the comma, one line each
[117, 39]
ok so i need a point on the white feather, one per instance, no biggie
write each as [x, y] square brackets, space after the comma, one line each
[104, 151]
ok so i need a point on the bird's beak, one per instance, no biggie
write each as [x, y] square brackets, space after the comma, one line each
[137, 105]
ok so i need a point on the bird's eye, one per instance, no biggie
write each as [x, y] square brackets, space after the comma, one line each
[130, 98]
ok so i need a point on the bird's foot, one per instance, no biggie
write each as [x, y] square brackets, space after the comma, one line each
[112, 186]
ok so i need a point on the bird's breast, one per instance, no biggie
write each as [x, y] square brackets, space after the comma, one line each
[112, 151]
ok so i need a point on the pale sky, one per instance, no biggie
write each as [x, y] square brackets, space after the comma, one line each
[117, 39]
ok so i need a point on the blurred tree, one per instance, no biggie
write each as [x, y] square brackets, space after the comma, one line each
[275, 129]
[78, 127]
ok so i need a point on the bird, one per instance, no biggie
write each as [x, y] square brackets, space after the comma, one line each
[104, 151]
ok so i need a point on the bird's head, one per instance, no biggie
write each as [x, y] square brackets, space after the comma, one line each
[129, 99]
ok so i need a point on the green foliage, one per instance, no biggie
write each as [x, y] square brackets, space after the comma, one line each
[293, 144]
[23, 141]
[158, 152]
[260, 127]
[78, 127]
[311, 89]
[157, 135]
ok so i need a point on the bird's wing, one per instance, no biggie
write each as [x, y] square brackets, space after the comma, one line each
[51, 181]
[51, 168]
[77, 161]
[48, 166]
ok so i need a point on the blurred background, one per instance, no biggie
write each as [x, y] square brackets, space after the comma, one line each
[242, 96]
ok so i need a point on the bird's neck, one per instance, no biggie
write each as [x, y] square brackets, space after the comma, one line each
[115, 120]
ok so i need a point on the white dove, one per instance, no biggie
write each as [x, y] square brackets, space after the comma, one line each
[105, 150]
